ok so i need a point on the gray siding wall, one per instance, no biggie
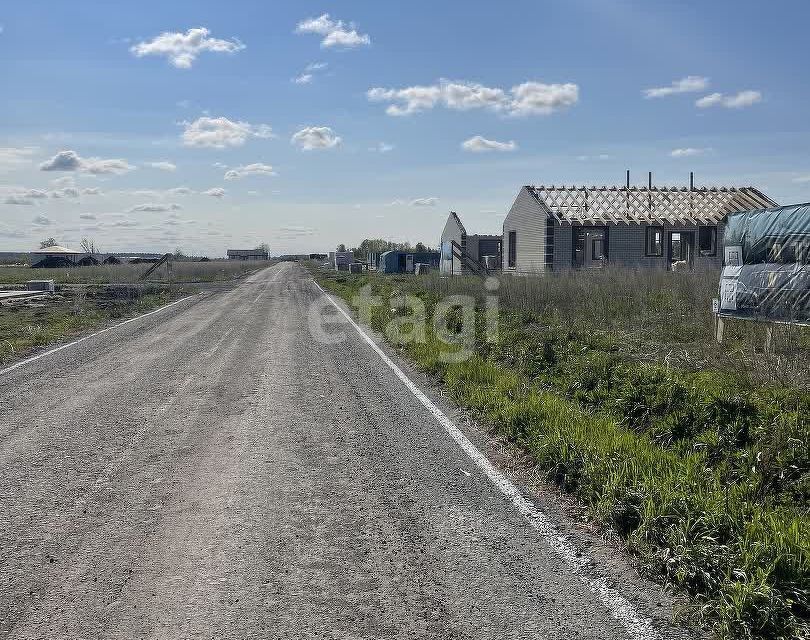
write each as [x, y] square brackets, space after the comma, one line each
[563, 247]
[472, 247]
[528, 219]
[626, 247]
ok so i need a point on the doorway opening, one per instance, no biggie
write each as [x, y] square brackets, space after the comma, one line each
[590, 247]
[681, 249]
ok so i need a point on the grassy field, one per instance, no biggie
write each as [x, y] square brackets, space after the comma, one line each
[26, 326]
[214, 271]
[696, 454]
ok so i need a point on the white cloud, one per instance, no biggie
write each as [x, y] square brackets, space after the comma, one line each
[87, 216]
[180, 191]
[91, 191]
[163, 165]
[335, 32]
[309, 72]
[13, 157]
[689, 84]
[182, 49]
[8, 232]
[18, 200]
[122, 222]
[37, 194]
[70, 161]
[98, 166]
[382, 147]
[292, 232]
[42, 220]
[310, 138]
[689, 152]
[424, 202]
[256, 169]
[66, 192]
[529, 98]
[478, 144]
[413, 99]
[601, 156]
[220, 133]
[142, 193]
[63, 181]
[736, 101]
[155, 207]
[216, 192]
[62, 161]
[536, 98]
[801, 179]
[465, 95]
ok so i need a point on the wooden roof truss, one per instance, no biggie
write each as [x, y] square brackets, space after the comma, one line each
[643, 205]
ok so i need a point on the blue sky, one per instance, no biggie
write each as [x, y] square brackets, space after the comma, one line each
[144, 141]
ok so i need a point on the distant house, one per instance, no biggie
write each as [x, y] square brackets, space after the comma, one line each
[406, 261]
[248, 254]
[463, 253]
[553, 228]
[341, 260]
[56, 256]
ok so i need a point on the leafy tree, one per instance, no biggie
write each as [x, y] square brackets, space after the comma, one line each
[341, 247]
[379, 245]
[178, 253]
[264, 247]
[50, 242]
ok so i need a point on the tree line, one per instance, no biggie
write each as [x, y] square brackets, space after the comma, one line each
[378, 245]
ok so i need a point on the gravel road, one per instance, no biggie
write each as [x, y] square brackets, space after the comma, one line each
[212, 471]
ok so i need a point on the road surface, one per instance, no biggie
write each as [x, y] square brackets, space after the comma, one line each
[212, 471]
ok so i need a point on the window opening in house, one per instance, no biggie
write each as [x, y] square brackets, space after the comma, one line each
[707, 241]
[655, 241]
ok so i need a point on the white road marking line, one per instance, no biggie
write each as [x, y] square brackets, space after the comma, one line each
[637, 625]
[92, 335]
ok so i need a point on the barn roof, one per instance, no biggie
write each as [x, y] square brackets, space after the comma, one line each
[54, 249]
[644, 205]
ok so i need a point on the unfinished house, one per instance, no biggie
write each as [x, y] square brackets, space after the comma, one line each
[462, 253]
[553, 228]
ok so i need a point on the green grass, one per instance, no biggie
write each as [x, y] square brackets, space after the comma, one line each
[213, 271]
[695, 454]
[25, 328]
